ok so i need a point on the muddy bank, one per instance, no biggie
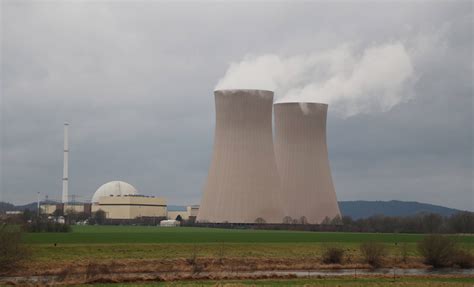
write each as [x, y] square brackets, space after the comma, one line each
[190, 265]
[70, 279]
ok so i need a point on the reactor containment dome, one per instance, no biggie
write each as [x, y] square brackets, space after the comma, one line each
[114, 188]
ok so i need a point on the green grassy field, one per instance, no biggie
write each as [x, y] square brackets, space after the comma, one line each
[138, 242]
[151, 234]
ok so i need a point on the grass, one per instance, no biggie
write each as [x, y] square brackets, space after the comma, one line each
[147, 242]
[151, 234]
[173, 251]
[345, 281]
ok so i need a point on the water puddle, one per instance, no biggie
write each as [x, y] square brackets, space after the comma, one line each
[57, 279]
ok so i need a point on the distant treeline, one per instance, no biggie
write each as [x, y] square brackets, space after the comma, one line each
[460, 222]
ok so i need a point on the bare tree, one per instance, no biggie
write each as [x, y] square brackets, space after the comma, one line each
[287, 220]
[260, 220]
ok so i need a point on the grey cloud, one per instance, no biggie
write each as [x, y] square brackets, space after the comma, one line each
[135, 80]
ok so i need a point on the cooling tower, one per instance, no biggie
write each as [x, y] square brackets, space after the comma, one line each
[302, 160]
[243, 183]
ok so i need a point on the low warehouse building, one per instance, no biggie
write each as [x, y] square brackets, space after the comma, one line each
[185, 212]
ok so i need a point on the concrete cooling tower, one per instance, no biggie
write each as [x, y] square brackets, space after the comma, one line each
[303, 164]
[243, 183]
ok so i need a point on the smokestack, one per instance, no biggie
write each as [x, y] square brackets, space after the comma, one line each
[65, 164]
[302, 160]
[243, 184]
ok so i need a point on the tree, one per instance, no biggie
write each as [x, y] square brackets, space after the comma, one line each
[287, 220]
[336, 220]
[99, 216]
[432, 222]
[179, 218]
[347, 220]
[326, 221]
[58, 212]
[82, 216]
[462, 222]
[333, 255]
[11, 249]
[437, 250]
[303, 220]
[71, 216]
[260, 220]
[28, 215]
[373, 252]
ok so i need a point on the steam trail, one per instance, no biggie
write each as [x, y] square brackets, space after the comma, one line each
[375, 80]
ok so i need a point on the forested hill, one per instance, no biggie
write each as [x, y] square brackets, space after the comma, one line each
[363, 209]
[5, 206]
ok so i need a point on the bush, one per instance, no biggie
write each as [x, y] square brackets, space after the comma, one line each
[373, 252]
[437, 250]
[333, 255]
[463, 259]
[47, 226]
[11, 250]
[404, 252]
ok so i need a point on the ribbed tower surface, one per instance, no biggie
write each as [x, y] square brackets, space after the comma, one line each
[243, 183]
[303, 164]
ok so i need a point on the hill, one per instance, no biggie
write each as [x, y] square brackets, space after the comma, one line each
[4, 206]
[363, 209]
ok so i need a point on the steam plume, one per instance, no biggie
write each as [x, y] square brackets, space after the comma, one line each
[374, 80]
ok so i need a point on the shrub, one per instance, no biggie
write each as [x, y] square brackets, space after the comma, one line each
[437, 250]
[373, 252]
[463, 259]
[333, 255]
[11, 250]
[404, 252]
[47, 226]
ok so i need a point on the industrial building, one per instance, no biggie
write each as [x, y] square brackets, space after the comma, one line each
[49, 207]
[253, 177]
[243, 184]
[250, 180]
[131, 206]
[308, 193]
[185, 212]
[113, 188]
[121, 202]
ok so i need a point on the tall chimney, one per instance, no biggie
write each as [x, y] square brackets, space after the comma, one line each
[65, 164]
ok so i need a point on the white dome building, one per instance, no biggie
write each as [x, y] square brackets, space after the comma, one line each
[114, 188]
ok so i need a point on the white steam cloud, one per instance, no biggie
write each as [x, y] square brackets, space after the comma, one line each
[374, 80]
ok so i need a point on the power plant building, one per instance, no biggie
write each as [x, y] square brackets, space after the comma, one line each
[131, 206]
[243, 184]
[120, 200]
[302, 158]
[114, 188]
[189, 212]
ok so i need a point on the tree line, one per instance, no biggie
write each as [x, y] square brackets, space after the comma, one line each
[460, 222]
[428, 223]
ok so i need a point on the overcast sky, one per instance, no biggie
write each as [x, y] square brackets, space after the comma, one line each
[135, 81]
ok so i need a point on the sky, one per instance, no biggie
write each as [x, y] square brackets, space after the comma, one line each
[135, 80]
